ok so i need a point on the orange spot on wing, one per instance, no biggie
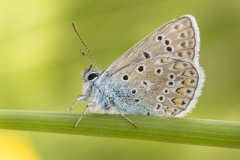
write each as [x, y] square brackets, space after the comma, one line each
[187, 82]
[178, 66]
[189, 73]
[177, 101]
[181, 91]
[186, 73]
[165, 60]
[168, 112]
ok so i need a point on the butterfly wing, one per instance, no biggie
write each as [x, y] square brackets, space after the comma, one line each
[162, 68]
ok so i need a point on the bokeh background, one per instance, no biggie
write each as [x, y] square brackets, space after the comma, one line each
[40, 68]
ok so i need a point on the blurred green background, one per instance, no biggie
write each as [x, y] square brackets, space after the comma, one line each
[40, 68]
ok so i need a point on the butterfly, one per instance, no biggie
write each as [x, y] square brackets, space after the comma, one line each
[159, 76]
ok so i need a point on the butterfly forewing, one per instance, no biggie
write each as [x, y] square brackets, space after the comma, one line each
[182, 38]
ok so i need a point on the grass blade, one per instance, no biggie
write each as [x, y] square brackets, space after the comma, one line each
[174, 130]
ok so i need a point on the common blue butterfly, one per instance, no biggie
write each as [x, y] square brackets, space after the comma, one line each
[159, 76]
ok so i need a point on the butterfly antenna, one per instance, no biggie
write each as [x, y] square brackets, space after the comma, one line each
[94, 62]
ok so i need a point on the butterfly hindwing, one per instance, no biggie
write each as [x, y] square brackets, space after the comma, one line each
[163, 85]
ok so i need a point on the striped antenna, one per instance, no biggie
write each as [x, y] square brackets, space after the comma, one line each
[75, 29]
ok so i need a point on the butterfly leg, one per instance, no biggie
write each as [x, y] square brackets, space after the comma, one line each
[79, 99]
[127, 119]
[84, 112]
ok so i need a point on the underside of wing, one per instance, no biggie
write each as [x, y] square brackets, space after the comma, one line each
[165, 86]
[177, 38]
[163, 68]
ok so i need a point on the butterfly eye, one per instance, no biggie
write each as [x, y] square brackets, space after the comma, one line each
[92, 76]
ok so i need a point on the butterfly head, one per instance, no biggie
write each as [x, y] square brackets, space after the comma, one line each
[90, 75]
